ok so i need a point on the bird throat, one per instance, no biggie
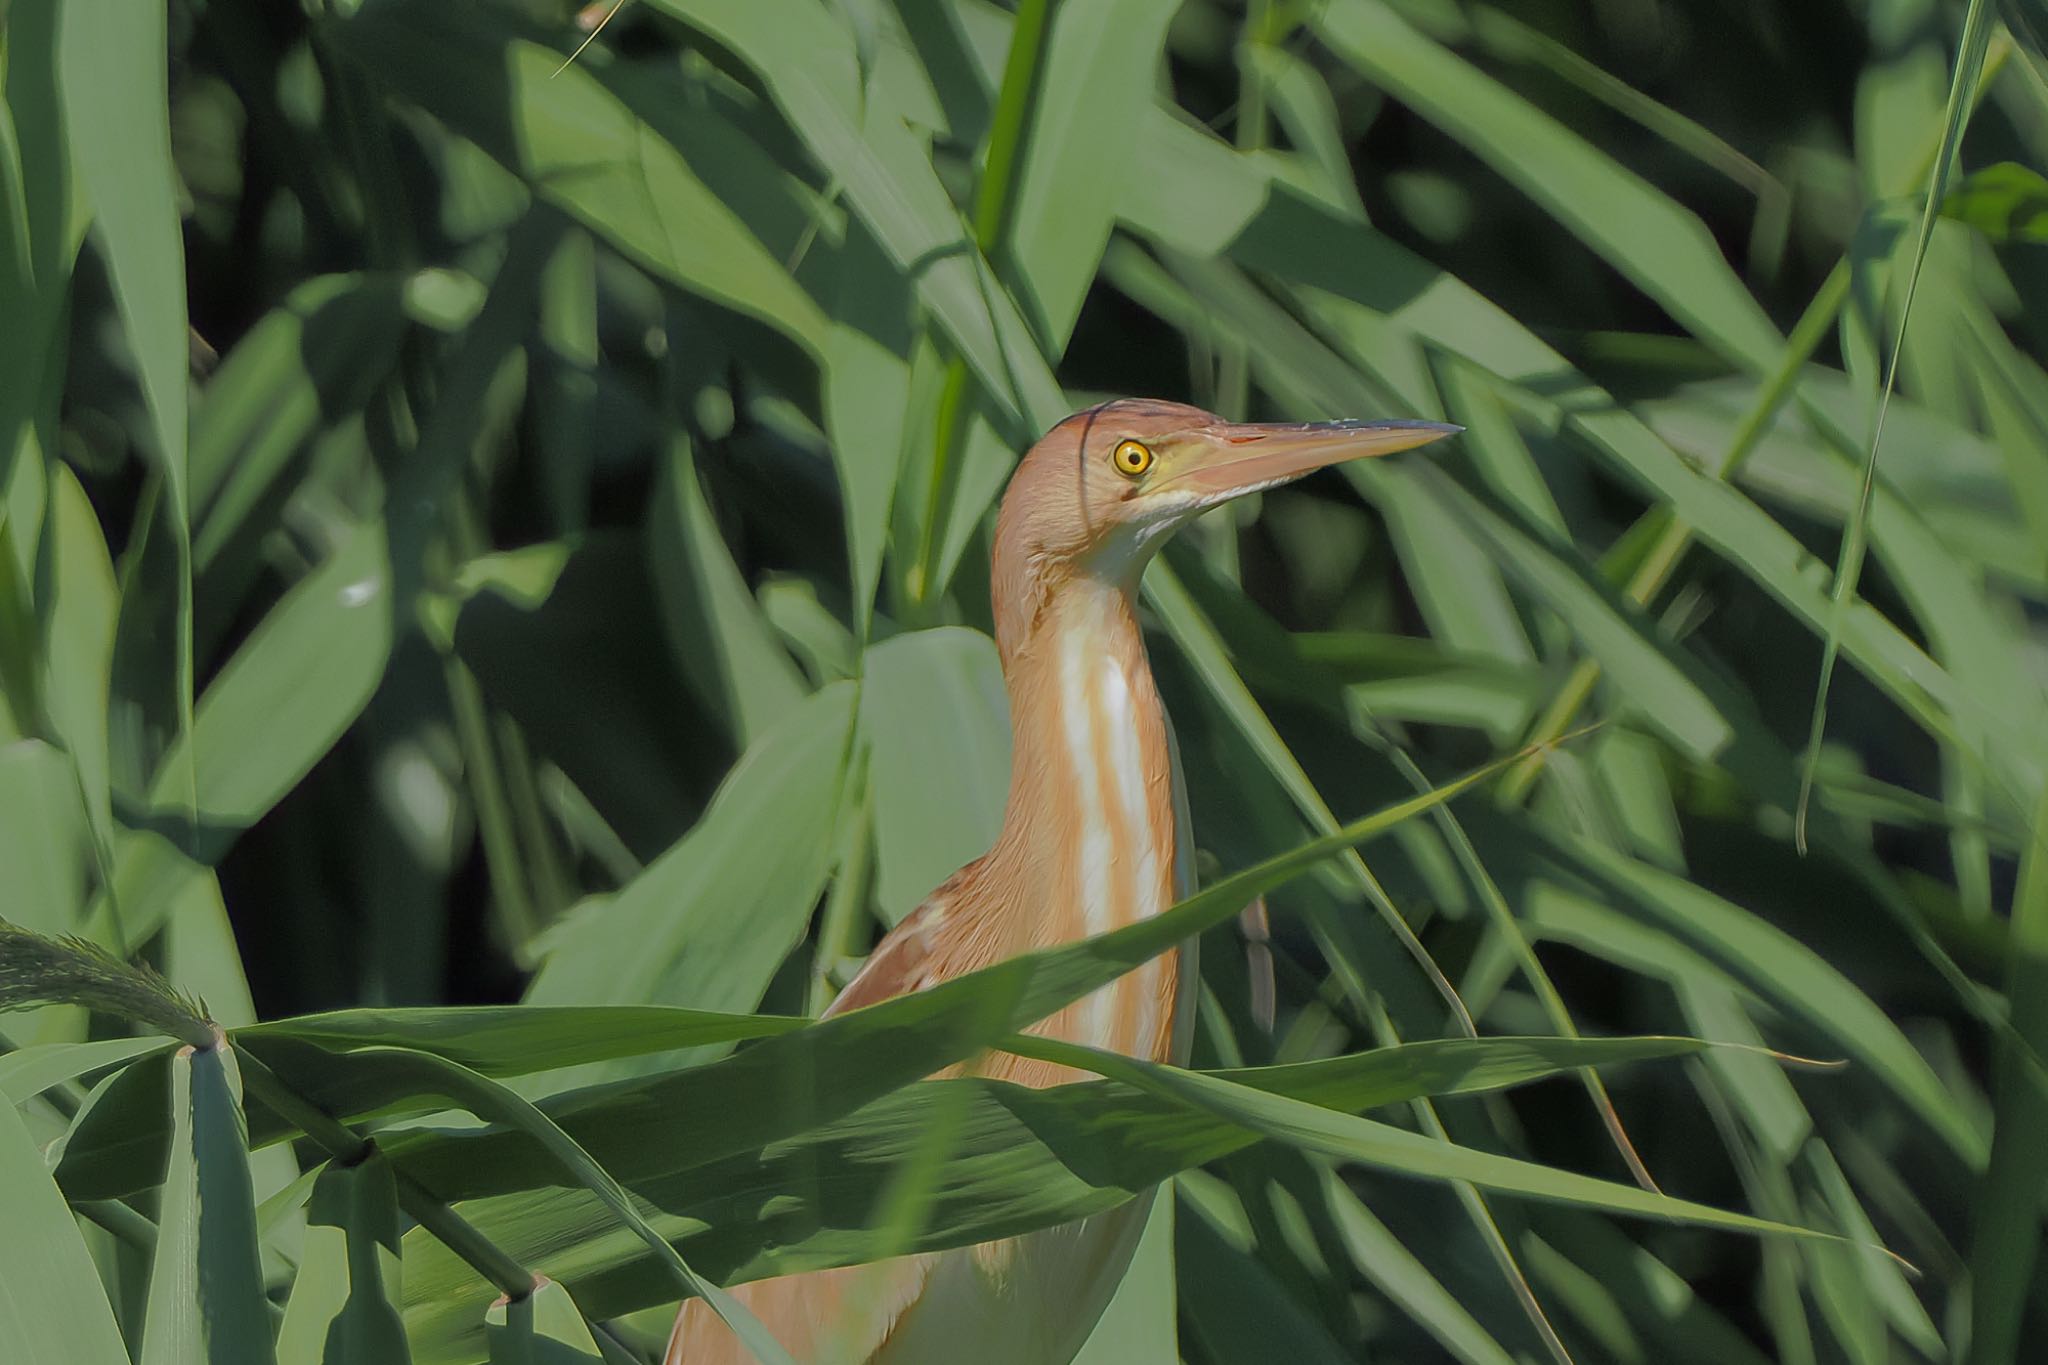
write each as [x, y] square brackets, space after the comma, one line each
[1091, 820]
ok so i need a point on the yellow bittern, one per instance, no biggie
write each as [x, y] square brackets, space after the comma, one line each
[1091, 840]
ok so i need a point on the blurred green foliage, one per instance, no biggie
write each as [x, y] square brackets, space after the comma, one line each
[479, 528]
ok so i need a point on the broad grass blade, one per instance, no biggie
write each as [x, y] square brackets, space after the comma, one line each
[707, 924]
[855, 130]
[488, 1099]
[54, 1311]
[544, 1328]
[1140, 1325]
[1020, 1160]
[206, 1303]
[1099, 61]
[28, 1072]
[290, 691]
[343, 1306]
[727, 654]
[926, 692]
[588, 151]
[113, 75]
[1662, 247]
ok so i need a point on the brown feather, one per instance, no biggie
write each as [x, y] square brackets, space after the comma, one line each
[1069, 638]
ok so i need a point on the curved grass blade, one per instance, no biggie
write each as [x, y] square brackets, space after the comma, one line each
[1327, 1132]
[518, 1040]
[1978, 24]
[1794, 976]
[1510, 929]
[1405, 1280]
[1199, 641]
[26, 1073]
[1023, 1159]
[817, 1073]
[488, 1099]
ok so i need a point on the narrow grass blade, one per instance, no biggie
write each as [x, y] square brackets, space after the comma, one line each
[114, 76]
[1321, 1130]
[1503, 35]
[517, 1040]
[2006, 1241]
[1379, 1254]
[1198, 640]
[865, 393]
[82, 609]
[1978, 24]
[44, 209]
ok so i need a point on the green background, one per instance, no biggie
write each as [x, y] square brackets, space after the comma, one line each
[478, 528]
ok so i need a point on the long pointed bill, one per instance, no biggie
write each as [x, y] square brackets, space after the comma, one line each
[1253, 455]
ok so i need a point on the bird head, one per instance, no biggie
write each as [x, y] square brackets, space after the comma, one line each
[1101, 491]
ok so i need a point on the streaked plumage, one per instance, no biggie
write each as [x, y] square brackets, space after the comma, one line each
[1090, 841]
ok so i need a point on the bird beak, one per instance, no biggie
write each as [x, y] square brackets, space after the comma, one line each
[1243, 457]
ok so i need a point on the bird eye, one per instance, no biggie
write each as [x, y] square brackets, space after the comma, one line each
[1131, 458]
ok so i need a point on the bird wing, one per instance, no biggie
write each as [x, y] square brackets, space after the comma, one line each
[902, 963]
[822, 1317]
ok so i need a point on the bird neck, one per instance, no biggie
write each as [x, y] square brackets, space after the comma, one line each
[1090, 826]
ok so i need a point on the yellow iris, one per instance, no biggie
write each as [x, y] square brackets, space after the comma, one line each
[1131, 457]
